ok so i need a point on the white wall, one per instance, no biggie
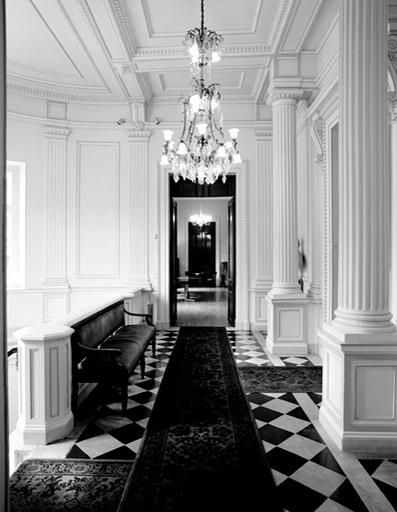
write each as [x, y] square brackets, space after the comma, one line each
[217, 208]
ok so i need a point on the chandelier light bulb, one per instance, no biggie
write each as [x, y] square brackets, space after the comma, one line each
[233, 132]
[168, 135]
[202, 128]
[164, 160]
[215, 57]
[236, 159]
[221, 153]
[182, 149]
[195, 102]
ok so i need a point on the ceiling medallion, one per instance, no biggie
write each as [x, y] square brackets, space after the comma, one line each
[202, 153]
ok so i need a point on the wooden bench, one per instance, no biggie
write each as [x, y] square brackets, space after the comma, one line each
[105, 350]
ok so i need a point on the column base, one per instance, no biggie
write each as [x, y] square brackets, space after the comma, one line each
[287, 324]
[359, 396]
[42, 434]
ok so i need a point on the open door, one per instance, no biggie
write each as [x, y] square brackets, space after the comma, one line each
[173, 261]
[231, 277]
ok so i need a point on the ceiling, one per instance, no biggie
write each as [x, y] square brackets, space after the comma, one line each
[124, 51]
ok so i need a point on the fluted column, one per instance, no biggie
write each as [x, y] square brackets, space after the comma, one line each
[360, 356]
[287, 325]
[364, 205]
[139, 255]
[56, 151]
[285, 206]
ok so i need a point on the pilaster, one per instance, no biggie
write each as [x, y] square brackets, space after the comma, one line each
[139, 213]
[56, 296]
[360, 355]
[262, 234]
[286, 304]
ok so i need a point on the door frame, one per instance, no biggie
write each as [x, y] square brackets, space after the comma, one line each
[163, 257]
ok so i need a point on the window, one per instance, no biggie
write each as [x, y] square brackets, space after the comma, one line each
[15, 251]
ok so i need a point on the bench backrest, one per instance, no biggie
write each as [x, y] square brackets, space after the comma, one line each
[91, 331]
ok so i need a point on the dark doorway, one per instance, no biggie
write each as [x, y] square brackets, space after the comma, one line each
[231, 274]
[212, 271]
[202, 245]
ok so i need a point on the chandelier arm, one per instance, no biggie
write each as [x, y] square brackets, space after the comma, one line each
[182, 137]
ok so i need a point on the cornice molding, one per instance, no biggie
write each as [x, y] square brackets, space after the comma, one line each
[252, 49]
[73, 98]
[277, 28]
[118, 11]
[229, 99]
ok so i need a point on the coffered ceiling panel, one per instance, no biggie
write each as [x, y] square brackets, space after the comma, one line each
[132, 50]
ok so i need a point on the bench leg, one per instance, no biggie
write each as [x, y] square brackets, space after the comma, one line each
[154, 345]
[142, 365]
[124, 397]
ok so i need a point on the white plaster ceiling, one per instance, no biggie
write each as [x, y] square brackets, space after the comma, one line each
[131, 50]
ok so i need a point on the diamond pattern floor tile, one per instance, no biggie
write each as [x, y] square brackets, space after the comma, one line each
[305, 471]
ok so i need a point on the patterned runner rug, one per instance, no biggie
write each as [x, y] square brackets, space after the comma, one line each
[201, 451]
[73, 485]
[281, 379]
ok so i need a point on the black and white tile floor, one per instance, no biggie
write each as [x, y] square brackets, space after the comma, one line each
[311, 473]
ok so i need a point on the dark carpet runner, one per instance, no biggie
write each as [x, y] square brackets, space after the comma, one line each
[201, 451]
[281, 379]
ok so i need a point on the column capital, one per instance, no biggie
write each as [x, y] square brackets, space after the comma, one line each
[263, 134]
[285, 96]
[56, 132]
[139, 134]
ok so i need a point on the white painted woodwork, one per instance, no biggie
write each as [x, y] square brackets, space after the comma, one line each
[98, 211]
[44, 383]
[285, 301]
[56, 164]
[360, 345]
[261, 229]
[139, 258]
[285, 256]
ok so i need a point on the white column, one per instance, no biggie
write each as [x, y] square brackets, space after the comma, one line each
[286, 304]
[57, 293]
[261, 227]
[139, 255]
[360, 345]
[45, 380]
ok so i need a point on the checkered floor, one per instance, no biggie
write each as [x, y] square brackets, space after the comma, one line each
[310, 473]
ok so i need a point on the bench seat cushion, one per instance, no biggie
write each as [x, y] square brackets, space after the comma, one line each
[140, 333]
[131, 352]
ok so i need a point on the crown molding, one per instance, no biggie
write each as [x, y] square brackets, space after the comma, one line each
[229, 99]
[73, 98]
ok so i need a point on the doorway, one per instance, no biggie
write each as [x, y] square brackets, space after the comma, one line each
[202, 278]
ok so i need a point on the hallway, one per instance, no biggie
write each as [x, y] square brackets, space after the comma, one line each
[205, 306]
[310, 471]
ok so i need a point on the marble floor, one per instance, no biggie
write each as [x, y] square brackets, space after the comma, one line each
[202, 306]
[310, 472]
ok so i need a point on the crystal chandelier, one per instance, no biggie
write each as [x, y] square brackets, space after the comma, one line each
[200, 220]
[202, 153]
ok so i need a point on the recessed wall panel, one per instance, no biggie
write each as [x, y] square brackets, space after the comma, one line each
[98, 210]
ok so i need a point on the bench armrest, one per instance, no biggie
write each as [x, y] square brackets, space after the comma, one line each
[100, 354]
[148, 317]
